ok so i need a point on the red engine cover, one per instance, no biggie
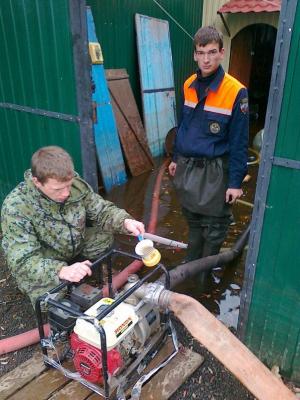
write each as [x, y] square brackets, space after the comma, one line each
[88, 360]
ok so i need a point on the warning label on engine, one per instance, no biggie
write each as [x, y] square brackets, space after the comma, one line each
[122, 328]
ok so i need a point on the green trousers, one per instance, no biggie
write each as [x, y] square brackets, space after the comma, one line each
[206, 234]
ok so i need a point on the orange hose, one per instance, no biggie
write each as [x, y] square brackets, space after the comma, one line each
[23, 339]
[232, 353]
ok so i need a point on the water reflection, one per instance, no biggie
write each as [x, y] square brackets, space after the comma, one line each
[229, 305]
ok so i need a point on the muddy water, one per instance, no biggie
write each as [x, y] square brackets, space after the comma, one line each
[221, 291]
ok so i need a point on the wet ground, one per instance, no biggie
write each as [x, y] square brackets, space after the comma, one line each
[220, 295]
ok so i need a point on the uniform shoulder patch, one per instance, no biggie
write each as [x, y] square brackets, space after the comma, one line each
[244, 106]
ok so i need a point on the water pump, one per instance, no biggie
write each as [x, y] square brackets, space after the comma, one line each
[110, 340]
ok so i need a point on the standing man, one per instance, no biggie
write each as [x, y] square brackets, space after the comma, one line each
[211, 146]
[54, 225]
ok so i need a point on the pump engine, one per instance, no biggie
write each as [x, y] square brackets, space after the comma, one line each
[126, 329]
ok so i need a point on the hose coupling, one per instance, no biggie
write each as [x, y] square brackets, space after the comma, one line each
[156, 294]
[164, 298]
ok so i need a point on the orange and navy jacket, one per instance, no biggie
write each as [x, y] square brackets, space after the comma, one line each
[215, 123]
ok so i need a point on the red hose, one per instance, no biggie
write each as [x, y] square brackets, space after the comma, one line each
[31, 337]
[121, 278]
[155, 198]
[23, 339]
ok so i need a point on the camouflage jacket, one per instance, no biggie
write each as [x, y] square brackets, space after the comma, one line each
[40, 236]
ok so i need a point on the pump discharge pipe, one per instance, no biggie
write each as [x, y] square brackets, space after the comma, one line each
[186, 271]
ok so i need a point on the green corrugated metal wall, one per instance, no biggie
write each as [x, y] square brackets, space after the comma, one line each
[273, 325]
[114, 20]
[36, 70]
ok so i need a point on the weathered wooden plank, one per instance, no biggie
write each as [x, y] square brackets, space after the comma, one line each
[169, 378]
[115, 74]
[42, 386]
[172, 376]
[72, 391]
[157, 80]
[130, 128]
[94, 396]
[20, 376]
[32, 380]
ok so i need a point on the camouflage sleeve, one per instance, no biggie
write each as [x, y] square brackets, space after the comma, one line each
[108, 216]
[33, 272]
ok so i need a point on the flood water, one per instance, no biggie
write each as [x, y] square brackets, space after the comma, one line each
[221, 292]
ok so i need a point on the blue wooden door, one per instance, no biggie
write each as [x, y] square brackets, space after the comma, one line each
[157, 79]
[107, 141]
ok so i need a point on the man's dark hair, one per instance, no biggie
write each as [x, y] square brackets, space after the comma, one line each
[52, 162]
[207, 35]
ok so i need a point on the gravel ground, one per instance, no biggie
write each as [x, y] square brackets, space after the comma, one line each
[16, 316]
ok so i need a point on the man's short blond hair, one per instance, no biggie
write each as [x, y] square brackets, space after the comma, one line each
[52, 162]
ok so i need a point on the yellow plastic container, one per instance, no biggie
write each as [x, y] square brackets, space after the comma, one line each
[150, 255]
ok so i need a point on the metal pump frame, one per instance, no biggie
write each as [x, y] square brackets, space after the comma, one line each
[49, 299]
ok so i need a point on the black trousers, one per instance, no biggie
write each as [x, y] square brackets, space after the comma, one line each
[206, 234]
